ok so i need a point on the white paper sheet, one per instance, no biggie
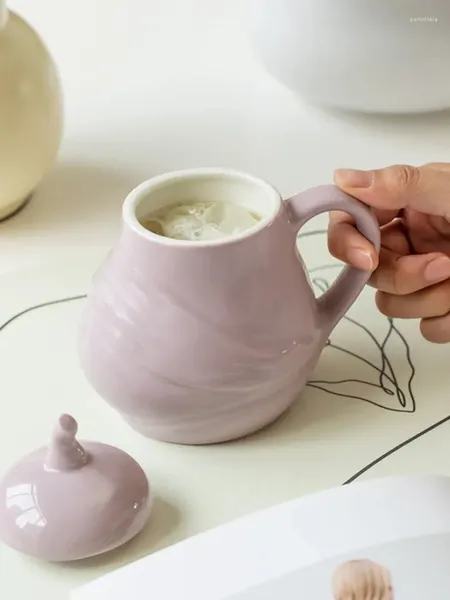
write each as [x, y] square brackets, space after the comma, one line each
[291, 550]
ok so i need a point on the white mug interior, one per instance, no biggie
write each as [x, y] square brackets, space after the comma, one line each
[202, 185]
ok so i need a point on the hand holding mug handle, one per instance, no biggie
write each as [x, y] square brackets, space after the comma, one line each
[302, 207]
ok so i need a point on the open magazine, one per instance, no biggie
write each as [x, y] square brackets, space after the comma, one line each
[386, 539]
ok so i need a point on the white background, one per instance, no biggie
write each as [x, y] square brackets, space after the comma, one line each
[150, 86]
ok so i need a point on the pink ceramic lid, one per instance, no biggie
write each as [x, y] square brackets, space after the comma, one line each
[70, 501]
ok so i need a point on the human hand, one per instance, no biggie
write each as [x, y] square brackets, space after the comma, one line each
[412, 271]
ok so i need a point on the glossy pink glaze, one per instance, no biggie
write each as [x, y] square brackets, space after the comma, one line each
[196, 343]
[71, 501]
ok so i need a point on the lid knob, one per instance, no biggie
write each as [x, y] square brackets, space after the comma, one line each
[65, 452]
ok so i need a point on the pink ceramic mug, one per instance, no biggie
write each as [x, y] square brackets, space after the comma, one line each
[202, 342]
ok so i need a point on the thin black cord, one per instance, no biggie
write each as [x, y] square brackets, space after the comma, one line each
[395, 449]
[38, 306]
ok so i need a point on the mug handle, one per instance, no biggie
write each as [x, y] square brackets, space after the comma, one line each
[335, 302]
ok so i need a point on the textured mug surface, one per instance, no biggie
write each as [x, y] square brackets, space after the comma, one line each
[203, 342]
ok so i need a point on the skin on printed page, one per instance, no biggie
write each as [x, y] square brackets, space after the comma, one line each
[362, 580]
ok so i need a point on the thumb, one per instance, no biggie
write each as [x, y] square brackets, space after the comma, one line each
[425, 189]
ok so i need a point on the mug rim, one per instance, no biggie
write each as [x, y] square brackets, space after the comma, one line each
[131, 202]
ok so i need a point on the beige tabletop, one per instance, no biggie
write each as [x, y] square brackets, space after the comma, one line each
[157, 85]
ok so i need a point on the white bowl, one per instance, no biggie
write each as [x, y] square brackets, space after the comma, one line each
[372, 56]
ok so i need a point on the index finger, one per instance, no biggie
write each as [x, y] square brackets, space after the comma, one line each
[347, 244]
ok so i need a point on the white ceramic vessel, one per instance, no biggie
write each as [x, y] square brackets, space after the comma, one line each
[30, 111]
[370, 56]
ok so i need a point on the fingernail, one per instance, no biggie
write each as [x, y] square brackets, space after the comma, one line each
[353, 178]
[360, 258]
[437, 270]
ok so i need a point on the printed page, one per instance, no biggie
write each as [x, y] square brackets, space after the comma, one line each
[377, 540]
